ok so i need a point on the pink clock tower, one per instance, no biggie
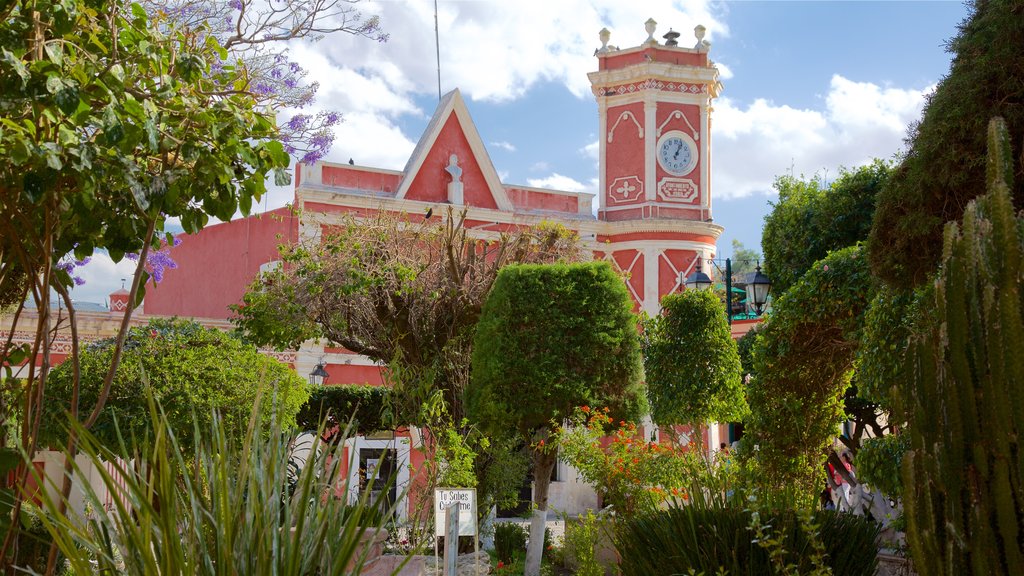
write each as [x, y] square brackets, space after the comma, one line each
[654, 104]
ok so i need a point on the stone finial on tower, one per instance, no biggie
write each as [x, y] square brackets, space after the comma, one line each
[605, 35]
[650, 26]
[702, 45]
[671, 38]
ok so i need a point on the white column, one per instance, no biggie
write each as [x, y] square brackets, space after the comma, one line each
[650, 141]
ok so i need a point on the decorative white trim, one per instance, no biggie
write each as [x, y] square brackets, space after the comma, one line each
[584, 225]
[650, 145]
[679, 190]
[675, 115]
[625, 189]
[663, 71]
[626, 115]
[401, 447]
[652, 282]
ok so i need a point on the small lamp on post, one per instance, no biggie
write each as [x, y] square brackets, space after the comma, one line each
[698, 280]
[757, 290]
[319, 375]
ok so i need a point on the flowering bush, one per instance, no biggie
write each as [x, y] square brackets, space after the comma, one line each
[628, 472]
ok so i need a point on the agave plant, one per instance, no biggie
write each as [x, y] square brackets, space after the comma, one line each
[226, 507]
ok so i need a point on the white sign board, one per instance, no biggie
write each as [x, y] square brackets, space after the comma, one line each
[466, 499]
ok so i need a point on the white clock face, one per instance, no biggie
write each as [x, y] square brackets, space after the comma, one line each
[677, 154]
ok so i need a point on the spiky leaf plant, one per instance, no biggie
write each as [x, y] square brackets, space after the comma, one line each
[228, 507]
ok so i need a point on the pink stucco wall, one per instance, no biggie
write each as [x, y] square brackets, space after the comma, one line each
[216, 265]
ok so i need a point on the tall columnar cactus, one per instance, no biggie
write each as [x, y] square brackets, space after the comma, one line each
[965, 402]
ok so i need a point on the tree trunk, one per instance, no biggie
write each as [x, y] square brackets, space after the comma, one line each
[543, 462]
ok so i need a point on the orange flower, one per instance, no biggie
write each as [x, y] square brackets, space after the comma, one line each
[541, 443]
[586, 409]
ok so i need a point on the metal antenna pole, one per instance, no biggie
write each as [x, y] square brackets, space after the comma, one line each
[437, 48]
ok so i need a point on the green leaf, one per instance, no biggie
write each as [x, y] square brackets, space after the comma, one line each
[117, 71]
[133, 107]
[282, 177]
[54, 84]
[18, 66]
[54, 52]
[67, 100]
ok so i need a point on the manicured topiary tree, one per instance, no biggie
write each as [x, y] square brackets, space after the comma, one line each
[691, 362]
[803, 358]
[190, 369]
[552, 338]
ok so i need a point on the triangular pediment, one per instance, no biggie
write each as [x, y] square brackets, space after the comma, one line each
[451, 132]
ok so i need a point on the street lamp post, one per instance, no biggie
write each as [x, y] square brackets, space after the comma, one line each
[757, 288]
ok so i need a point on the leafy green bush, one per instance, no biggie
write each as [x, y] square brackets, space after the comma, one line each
[192, 370]
[509, 539]
[582, 541]
[713, 540]
[224, 507]
[879, 460]
[363, 405]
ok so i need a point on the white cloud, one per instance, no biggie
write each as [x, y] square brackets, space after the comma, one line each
[504, 145]
[859, 121]
[592, 150]
[497, 50]
[540, 167]
[557, 181]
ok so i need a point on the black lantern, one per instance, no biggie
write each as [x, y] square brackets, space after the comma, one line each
[758, 286]
[319, 375]
[698, 280]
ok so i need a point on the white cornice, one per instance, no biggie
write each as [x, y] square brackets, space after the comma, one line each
[654, 70]
[359, 168]
[584, 224]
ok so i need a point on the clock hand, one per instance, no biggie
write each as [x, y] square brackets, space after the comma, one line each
[678, 149]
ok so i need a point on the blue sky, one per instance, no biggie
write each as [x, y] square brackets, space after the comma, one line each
[809, 87]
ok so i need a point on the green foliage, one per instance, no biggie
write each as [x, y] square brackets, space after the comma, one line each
[583, 538]
[192, 370]
[718, 540]
[551, 338]
[363, 406]
[627, 472]
[945, 163]
[745, 349]
[500, 471]
[744, 260]
[879, 460]
[691, 362]
[223, 506]
[888, 326]
[509, 540]
[803, 358]
[457, 453]
[112, 122]
[405, 294]
[812, 218]
[34, 544]
[962, 476]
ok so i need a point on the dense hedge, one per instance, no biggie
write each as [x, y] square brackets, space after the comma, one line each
[698, 540]
[365, 406]
[192, 370]
[944, 167]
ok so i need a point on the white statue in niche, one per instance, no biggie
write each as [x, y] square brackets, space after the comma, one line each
[453, 168]
[455, 195]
